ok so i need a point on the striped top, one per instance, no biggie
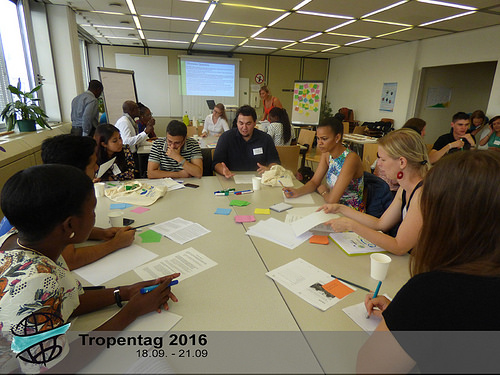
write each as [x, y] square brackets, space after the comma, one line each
[190, 151]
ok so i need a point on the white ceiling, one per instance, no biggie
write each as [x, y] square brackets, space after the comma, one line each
[342, 26]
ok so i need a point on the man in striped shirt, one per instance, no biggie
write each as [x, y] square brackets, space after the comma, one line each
[175, 156]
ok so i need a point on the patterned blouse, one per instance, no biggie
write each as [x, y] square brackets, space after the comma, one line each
[353, 194]
[275, 130]
[127, 174]
[31, 285]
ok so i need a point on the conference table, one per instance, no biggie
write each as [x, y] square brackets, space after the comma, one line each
[252, 323]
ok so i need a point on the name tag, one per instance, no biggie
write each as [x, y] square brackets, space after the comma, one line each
[496, 143]
[115, 170]
[258, 151]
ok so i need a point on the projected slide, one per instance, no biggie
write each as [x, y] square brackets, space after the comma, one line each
[209, 79]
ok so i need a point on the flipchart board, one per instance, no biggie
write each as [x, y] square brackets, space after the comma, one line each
[307, 97]
[119, 86]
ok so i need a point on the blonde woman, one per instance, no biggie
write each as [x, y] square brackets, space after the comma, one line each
[402, 155]
[268, 101]
[216, 123]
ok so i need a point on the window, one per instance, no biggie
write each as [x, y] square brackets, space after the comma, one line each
[15, 63]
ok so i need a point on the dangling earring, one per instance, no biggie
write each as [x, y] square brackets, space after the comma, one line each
[72, 235]
[400, 175]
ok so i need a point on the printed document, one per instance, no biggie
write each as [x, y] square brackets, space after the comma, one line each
[278, 232]
[103, 168]
[354, 244]
[306, 281]
[188, 262]
[310, 221]
[172, 184]
[180, 230]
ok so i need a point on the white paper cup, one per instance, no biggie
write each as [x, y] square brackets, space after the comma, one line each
[99, 189]
[116, 218]
[256, 183]
[379, 266]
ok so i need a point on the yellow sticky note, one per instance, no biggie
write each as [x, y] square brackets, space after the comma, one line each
[262, 211]
[338, 289]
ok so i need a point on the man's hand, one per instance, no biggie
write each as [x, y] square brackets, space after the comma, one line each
[149, 128]
[226, 172]
[470, 139]
[174, 154]
[262, 168]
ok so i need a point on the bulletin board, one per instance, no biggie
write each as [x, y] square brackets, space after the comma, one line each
[307, 97]
[119, 86]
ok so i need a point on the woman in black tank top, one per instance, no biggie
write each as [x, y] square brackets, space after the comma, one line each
[402, 154]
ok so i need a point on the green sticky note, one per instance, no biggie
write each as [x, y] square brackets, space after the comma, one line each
[150, 236]
[236, 202]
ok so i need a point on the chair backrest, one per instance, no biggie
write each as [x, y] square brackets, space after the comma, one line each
[192, 130]
[359, 130]
[346, 127]
[369, 155]
[289, 156]
[306, 137]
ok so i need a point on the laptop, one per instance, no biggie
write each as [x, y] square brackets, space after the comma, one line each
[211, 104]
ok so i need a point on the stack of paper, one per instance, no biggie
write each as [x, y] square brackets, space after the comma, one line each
[310, 221]
[278, 232]
[314, 220]
[172, 184]
[180, 230]
[354, 244]
[243, 178]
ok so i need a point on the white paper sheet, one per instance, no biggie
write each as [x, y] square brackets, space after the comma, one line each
[153, 321]
[304, 199]
[115, 264]
[310, 221]
[172, 184]
[358, 314]
[305, 280]
[105, 166]
[243, 178]
[180, 230]
[188, 262]
[353, 243]
[278, 232]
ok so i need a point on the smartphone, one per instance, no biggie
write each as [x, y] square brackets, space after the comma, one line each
[194, 186]
[127, 222]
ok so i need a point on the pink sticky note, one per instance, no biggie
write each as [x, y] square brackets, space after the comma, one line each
[140, 210]
[244, 218]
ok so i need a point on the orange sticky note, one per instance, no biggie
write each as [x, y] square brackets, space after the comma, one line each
[337, 288]
[322, 240]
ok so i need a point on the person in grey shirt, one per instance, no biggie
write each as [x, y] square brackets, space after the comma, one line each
[85, 110]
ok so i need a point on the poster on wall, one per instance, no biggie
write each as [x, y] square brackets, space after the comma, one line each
[306, 102]
[438, 97]
[388, 96]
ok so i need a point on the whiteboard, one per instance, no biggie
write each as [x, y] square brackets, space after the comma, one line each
[119, 86]
[151, 80]
[307, 97]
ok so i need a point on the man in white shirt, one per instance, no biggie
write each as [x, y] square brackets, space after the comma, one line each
[129, 130]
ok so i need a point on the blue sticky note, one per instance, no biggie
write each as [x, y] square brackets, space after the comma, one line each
[222, 211]
[119, 206]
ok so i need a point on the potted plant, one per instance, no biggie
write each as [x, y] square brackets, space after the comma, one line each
[24, 112]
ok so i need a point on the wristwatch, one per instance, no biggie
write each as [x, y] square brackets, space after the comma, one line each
[118, 298]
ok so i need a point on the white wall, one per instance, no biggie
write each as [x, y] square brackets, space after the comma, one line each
[356, 80]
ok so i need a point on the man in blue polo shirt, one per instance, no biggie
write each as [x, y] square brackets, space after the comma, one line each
[244, 148]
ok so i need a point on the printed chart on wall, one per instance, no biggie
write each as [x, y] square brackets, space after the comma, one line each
[307, 96]
[388, 96]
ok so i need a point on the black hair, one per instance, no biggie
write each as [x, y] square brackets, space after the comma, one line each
[103, 133]
[95, 85]
[334, 124]
[460, 116]
[246, 110]
[416, 124]
[36, 199]
[142, 108]
[68, 149]
[176, 128]
[283, 118]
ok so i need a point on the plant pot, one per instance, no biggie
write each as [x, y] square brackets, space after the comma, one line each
[26, 125]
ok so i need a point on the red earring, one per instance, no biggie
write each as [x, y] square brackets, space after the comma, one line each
[400, 175]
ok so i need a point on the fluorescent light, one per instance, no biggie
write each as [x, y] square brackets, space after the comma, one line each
[321, 44]
[284, 15]
[195, 37]
[209, 12]
[291, 44]
[259, 32]
[234, 24]
[339, 26]
[217, 44]
[111, 13]
[448, 18]
[357, 41]
[246, 40]
[202, 25]
[451, 5]
[110, 27]
[131, 7]
[394, 32]
[325, 15]
[310, 37]
[170, 18]
[385, 8]
[120, 37]
[301, 50]
[258, 47]
[350, 35]
[137, 23]
[141, 34]
[196, 1]
[300, 5]
[253, 7]
[275, 40]
[387, 22]
[168, 41]
[225, 36]
[330, 49]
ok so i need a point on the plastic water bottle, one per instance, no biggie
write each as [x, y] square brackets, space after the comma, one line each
[185, 119]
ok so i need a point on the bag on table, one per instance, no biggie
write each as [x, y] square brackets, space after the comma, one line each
[137, 193]
[275, 174]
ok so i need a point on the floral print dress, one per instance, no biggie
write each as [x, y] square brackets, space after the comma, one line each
[353, 194]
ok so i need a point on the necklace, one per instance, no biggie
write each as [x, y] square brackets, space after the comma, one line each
[28, 248]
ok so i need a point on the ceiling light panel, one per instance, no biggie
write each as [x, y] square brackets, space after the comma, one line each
[276, 33]
[162, 24]
[370, 29]
[416, 33]
[472, 21]
[219, 40]
[183, 37]
[378, 43]
[227, 29]
[171, 8]
[347, 7]
[448, 4]
[246, 15]
[415, 13]
[335, 39]
[308, 22]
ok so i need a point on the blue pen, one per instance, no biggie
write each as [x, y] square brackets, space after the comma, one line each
[375, 295]
[153, 287]
[286, 190]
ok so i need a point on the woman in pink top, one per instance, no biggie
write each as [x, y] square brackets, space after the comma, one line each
[268, 101]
